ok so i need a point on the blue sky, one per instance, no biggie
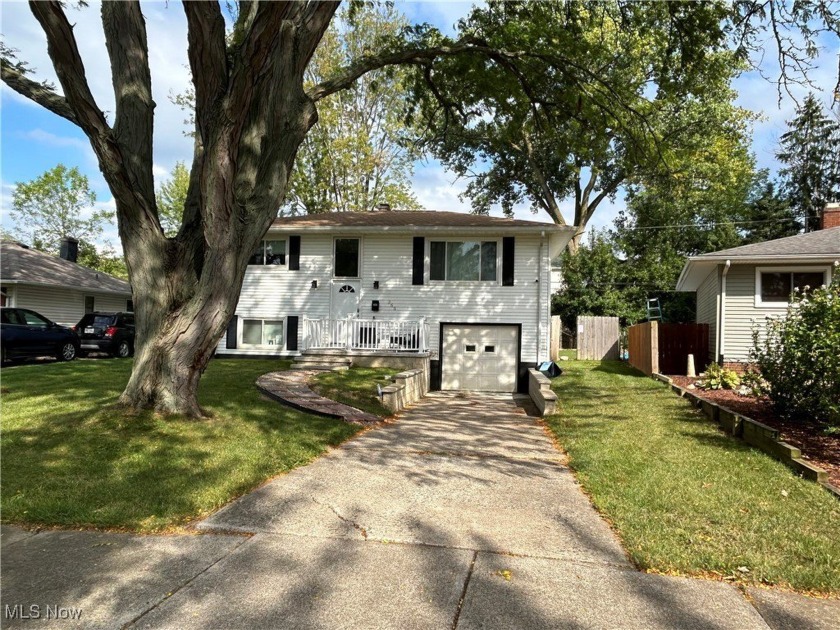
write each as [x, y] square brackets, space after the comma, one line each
[33, 140]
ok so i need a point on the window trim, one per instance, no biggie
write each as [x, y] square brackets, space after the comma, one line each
[359, 255]
[240, 333]
[465, 239]
[93, 304]
[791, 269]
[285, 262]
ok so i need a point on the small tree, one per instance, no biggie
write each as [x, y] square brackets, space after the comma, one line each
[171, 196]
[799, 356]
[55, 205]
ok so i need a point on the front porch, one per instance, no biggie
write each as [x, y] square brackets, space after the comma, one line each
[377, 336]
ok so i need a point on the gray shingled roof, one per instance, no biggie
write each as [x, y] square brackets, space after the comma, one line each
[404, 218]
[822, 246]
[21, 265]
[821, 242]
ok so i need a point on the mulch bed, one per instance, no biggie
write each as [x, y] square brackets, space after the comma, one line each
[818, 448]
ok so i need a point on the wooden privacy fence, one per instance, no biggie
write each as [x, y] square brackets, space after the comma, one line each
[677, 341]
[643, 347]
[657, 348]
[597, 338]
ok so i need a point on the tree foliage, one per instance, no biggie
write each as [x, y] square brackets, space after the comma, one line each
[361, 151]
[626, 96]
[60, 203]
[56, 204]
[171, 197]
[810, 150]
[768, 214]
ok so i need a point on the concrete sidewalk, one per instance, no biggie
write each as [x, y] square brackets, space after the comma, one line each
[461, 514]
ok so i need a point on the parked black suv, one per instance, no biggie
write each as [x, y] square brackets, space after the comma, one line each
[107, 332]
[25, 333]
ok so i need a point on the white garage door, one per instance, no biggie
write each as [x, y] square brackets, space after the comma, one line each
[479, 358]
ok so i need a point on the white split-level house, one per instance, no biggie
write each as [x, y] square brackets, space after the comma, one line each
[57, 287]
[469, 294]
[739, 288]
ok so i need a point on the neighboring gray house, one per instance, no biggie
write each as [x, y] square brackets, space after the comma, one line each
[739, 288]
[57, 287]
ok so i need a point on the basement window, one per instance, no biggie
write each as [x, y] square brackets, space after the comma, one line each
[263, 333]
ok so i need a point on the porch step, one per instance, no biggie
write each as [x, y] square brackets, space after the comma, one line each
[331, 367]
[322, 352]
[326, 359]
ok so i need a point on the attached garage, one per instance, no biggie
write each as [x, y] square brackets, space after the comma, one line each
[479, 357]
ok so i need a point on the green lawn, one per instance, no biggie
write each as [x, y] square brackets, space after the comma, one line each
[355, 387]
[684, 497]
[70, 458]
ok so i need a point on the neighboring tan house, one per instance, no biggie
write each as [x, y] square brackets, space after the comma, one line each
[738, 288]
[469, 294]
[57, 287]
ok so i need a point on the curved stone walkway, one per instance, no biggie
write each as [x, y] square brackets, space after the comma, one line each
[290, 388]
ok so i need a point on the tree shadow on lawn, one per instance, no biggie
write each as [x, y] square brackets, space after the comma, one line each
[80, 460]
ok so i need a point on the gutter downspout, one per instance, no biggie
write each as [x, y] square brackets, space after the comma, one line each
[722, 318]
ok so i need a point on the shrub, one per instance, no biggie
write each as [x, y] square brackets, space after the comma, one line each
[718, 377]
[799, 356]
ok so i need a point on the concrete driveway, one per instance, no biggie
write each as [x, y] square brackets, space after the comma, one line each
[460, 514]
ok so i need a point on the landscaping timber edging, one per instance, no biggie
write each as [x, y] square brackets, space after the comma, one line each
[755, 433]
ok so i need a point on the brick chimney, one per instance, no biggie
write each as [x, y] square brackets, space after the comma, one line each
[69, 249]
[830, 216]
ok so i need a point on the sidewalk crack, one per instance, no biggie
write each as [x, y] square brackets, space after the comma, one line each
[464, 592]
[343, 518]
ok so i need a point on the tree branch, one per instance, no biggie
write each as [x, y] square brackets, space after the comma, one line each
[208, 59]
[40, 93]
[64, 53]
[347, 76]
[125, 40]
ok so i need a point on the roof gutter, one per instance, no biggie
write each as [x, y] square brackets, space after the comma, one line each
[413, 229]
[70, 287]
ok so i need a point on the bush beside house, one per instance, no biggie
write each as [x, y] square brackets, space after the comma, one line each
[799, 356]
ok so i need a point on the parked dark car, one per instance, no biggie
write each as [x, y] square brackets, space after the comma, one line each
[25, 333]
[107, 332]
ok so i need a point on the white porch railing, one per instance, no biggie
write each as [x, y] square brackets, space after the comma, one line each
[352, 333]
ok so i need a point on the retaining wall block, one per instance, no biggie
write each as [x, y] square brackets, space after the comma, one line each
[710, 409]
[730, 421]
[809, 471]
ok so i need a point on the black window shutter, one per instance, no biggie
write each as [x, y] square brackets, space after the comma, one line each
[419, 260]
[292, 332]
[231, 333]
[507, 261]
[294, 253]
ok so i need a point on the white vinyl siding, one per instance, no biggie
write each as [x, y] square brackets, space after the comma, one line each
[274, 292]
[707, 307]
[64, 306]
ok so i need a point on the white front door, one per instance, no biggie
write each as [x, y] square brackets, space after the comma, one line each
[345, 298]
